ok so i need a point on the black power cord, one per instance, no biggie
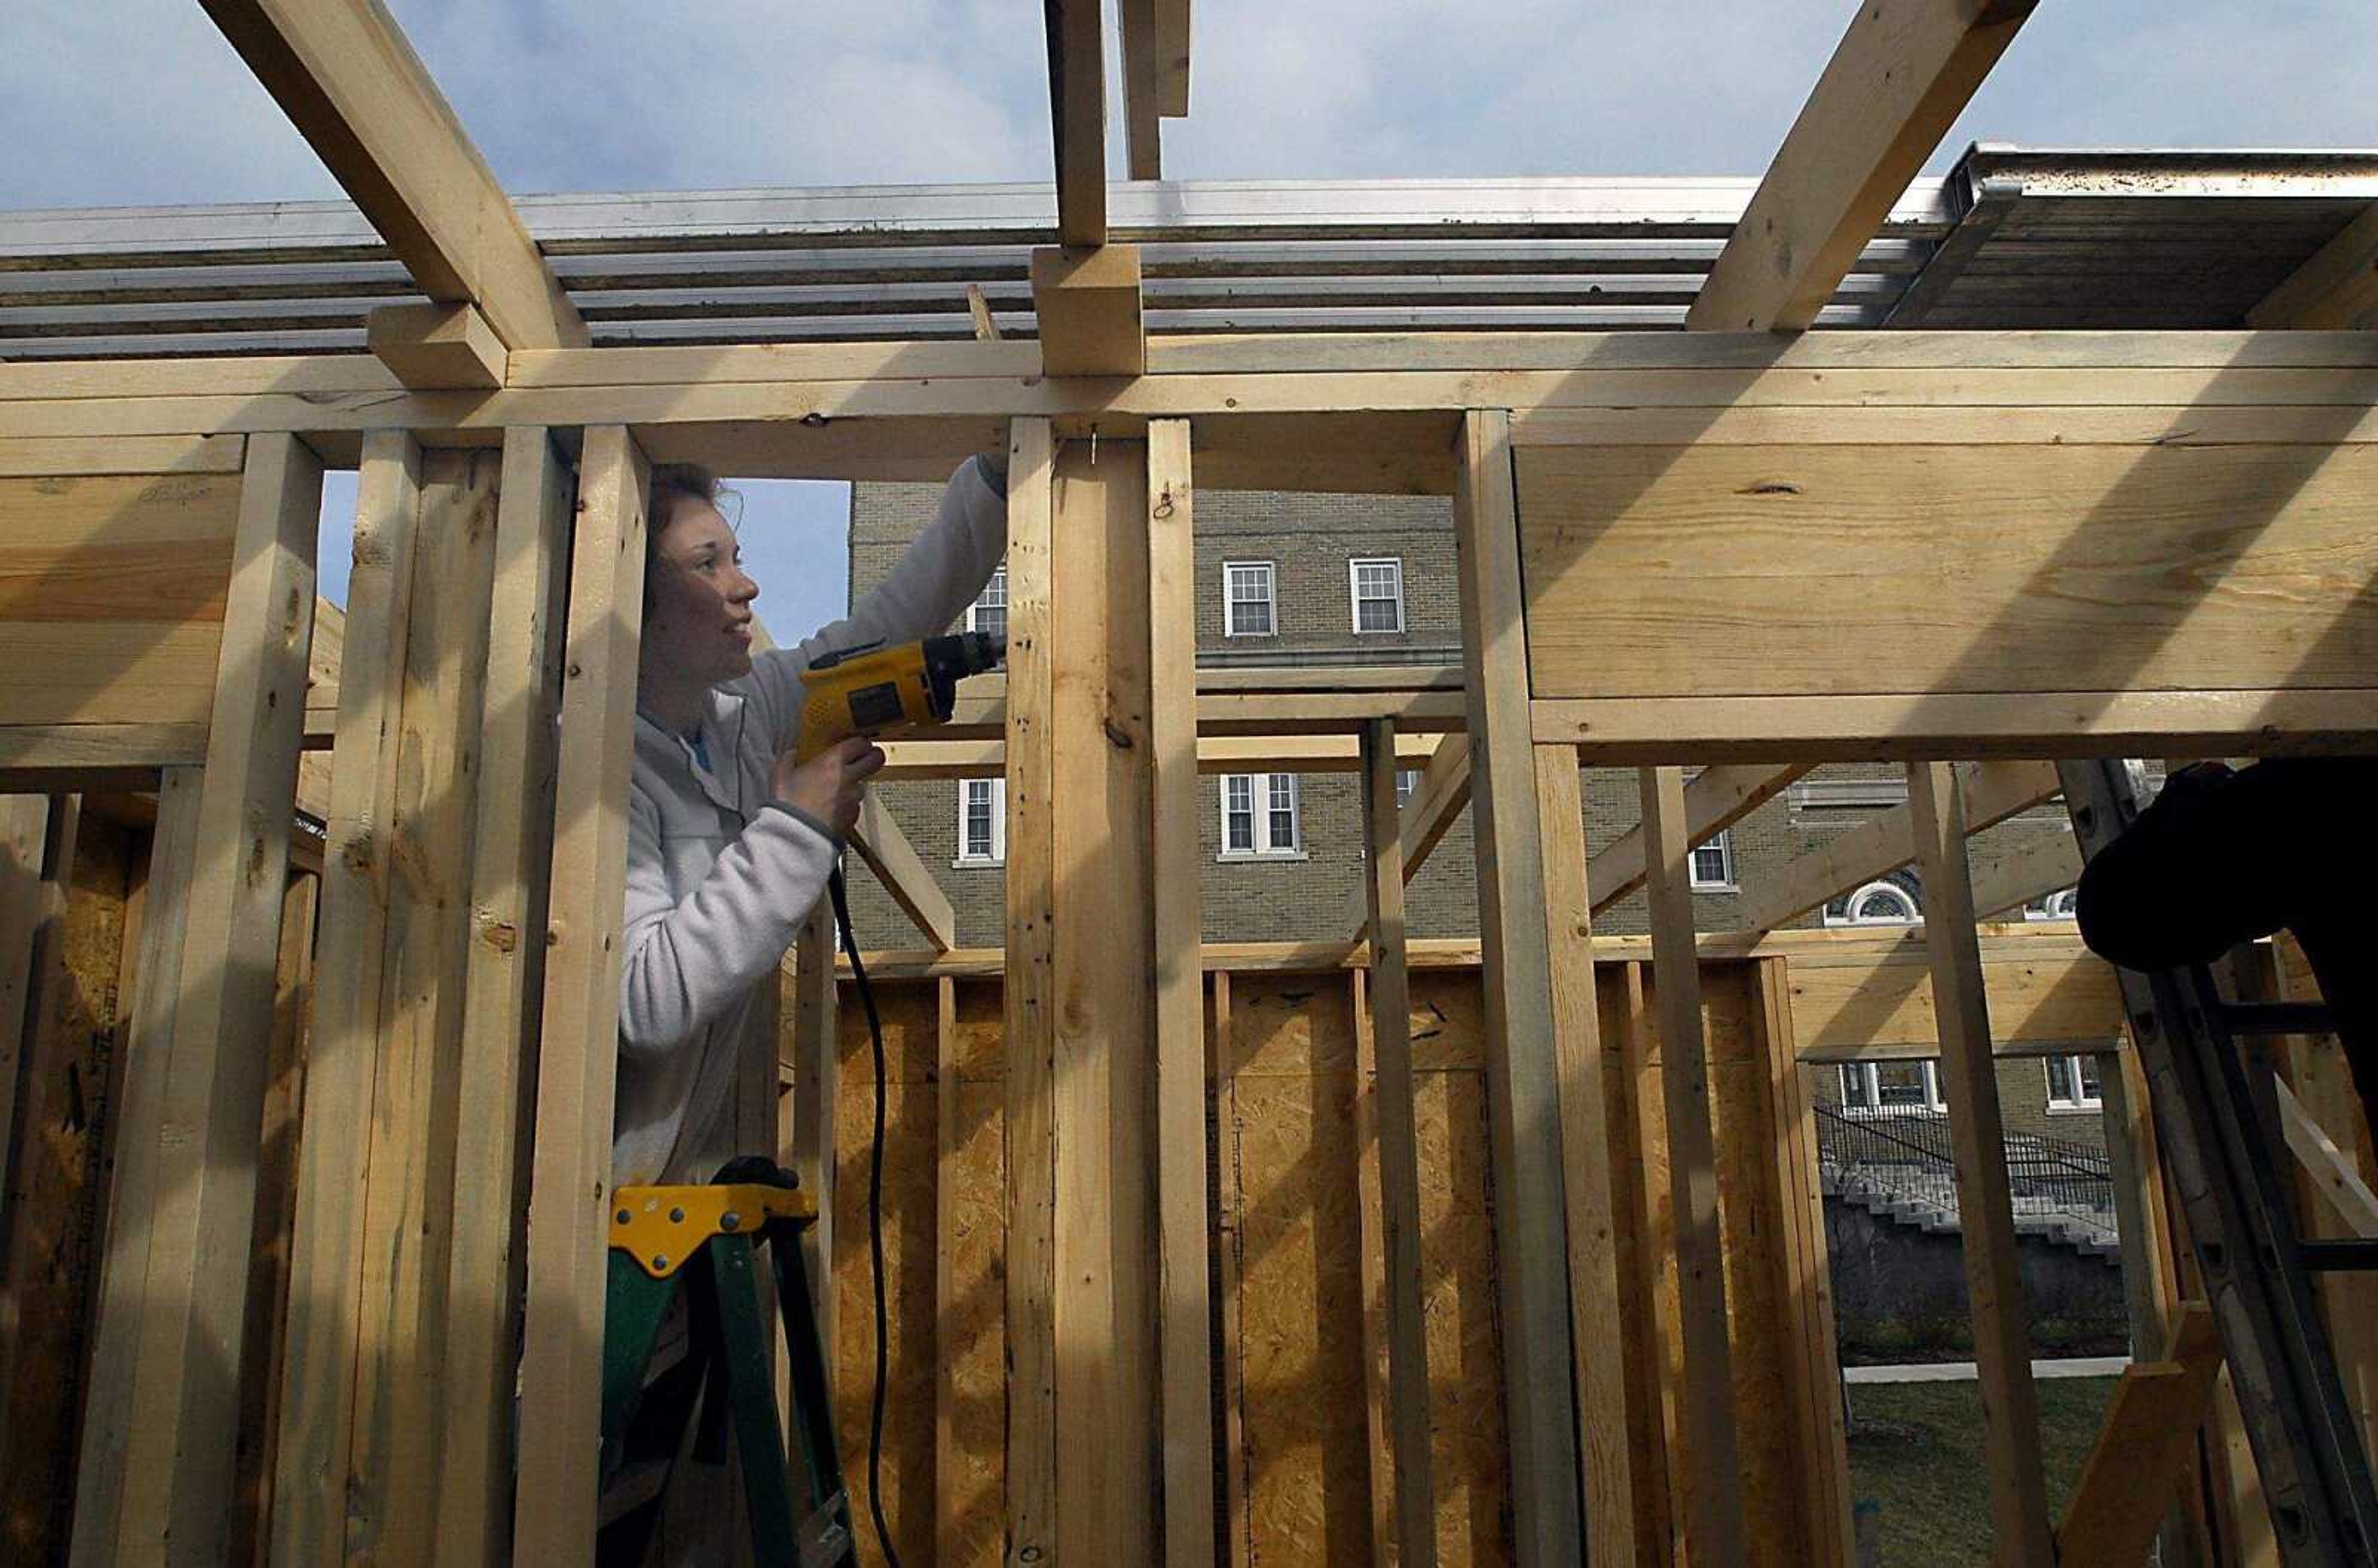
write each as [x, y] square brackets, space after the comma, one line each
[841, 895]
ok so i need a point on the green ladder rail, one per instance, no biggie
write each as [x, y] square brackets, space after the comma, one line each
[704, 1241]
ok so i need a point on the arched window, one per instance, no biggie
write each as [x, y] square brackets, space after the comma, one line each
[2055, 906]
[1877, 904]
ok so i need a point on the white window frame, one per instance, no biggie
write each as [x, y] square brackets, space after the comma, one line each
[998, 855]
[1271, 598]
[1260, 802]
[1722, 842]
[1355, 594]
[1407, 785]
[1916, 916]
[998, 581]
[2080, 1101]
[1870, 1075]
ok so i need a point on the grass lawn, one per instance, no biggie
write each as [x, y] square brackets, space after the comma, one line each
[1916, 1448]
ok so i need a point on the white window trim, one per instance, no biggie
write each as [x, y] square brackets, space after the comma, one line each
[1723, 843]
[1886, 886]
[1259, 797]
[998, 855]
[1355, 594]
[2082, 1104]
[998, 575]
[1229, 606]
[1407, 786]
[1933, 1104]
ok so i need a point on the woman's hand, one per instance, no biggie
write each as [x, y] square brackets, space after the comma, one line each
[828, 785]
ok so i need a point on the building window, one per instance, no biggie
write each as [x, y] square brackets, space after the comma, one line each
[989, 611]
[982, 821]
[2055, 906]
[1713, 864]
[2072, 1083]
[1891, 1088]
[1407, 782]
[1877, 904]
[1259, 815]
[1248, 606]
[1378, 588]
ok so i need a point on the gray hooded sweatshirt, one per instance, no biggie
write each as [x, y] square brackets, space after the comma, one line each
[721, 874]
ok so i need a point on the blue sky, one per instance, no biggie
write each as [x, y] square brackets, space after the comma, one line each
[137, 101]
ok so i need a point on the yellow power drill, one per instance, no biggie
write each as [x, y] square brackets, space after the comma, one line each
[874, 690]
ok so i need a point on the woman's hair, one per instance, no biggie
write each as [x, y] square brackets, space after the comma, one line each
[673, 485]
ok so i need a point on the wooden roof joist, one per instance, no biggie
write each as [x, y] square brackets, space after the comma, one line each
[1903, 71]
[353, 88]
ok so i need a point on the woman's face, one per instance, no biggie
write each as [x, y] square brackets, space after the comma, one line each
[700, 622]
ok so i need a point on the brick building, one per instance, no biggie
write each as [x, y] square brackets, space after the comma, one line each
[1305, 578]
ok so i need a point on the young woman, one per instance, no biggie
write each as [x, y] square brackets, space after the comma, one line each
[728, 843]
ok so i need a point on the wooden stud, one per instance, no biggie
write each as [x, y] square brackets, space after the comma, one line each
[1031, 1000]
[817, 1086]
[509, 903]
[1523, 1088]
[266, 1336]
[436, 348]
[353, 88]
[2330, 1171]
[1715, 801]
[2337, 288]
[158, 1436]
[1102, 906]
[947, 1541]
[1901, 76]
[1399, 1160]
[986, 326]
[310, 1510]
[25, 908]
[1088, 302]
[1608, 1399]
[410, 1200]
[1438, 801]
[1371, 1262]
[1806, 1264]
[1713, 1521]
[1187, 1425]
[2019, 1517]
[578, 1059]
[903, 873]
[1238, 1532]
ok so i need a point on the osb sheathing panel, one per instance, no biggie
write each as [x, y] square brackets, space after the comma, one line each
[1771, 1483]
[1291, 1141]
[54, 1193]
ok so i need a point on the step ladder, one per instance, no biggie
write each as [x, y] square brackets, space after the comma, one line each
[701, 1244]
[2228, 1163]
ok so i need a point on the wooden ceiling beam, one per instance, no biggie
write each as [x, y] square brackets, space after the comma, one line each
[1902, 73]
[1087, 302]
[344, 74]
[1715, 799]
[2336, 289]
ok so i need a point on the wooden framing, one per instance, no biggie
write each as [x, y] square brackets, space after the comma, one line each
[348, 81]
[158, 1435]
[1904, 72]
[2161, 543]
[2020, 1528]
[1525, 1094]
[571, 1180]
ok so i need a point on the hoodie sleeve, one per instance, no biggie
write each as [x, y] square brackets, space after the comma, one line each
[937, 576]
[686, 961]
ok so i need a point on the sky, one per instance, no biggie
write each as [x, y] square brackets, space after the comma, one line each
[106, 103]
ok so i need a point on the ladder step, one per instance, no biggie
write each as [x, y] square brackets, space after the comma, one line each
[2340, 1257]
[636, 1485]
[2277, 1018]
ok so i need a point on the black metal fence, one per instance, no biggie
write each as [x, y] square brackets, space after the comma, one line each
[1906, 1157]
